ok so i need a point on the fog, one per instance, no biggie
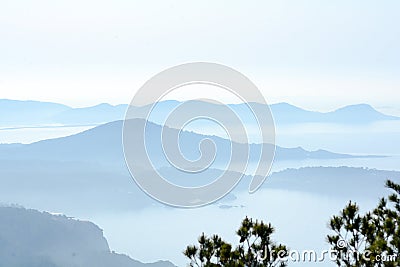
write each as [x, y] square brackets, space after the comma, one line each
[300, 220]
[300, 217]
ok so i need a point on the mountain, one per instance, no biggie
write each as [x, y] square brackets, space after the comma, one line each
[40, 239]
[91, 115]
[33, 113]
[87, 171]
[338, 182]
[103, 144]
[362, 113]
[353, 114]
[15, 112]
[283, 113]
[350, 182]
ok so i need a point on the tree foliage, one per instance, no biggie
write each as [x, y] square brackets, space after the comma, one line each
[255, 248]
[372, 239]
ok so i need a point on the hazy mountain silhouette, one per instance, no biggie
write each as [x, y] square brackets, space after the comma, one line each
[354, 114]
[284, 113]
[328, 182]
[39, 239]
[81, 188]
[91, 115]
[30, 113]
[103, 144]
[15, 112]
[345, 181]
[87, 171]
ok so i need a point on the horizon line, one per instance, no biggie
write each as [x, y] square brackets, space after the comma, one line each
[181, 101]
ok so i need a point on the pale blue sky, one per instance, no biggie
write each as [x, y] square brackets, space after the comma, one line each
[315, 54]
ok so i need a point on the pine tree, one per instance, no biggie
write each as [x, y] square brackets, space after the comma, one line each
[372, 239]
[255, 249]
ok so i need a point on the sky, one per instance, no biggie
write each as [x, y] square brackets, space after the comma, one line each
[318, 55]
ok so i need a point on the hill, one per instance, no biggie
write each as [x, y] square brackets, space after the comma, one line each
[33, 238]
[33, 113]
[103, 144]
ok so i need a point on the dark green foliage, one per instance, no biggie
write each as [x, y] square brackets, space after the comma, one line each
[255, 248]
[362, 240]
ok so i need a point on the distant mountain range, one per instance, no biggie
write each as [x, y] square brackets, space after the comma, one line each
[345, 181]
[103, 144]
[14, 113]
[33, 238]
[87, 170]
